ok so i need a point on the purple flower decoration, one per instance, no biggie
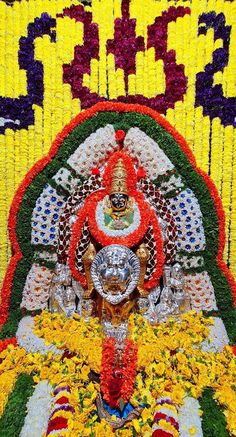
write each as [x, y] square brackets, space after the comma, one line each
[17, 113]
[210, 97]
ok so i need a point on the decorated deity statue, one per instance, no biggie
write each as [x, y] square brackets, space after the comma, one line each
[117, 215]
[113, 261]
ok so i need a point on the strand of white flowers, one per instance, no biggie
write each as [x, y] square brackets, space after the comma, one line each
[169, 412]
[29, 341]
[139, 145]
[94, 150]
[38, 411]
[218, 337]
[201, 291]
[189, 418]
[117, 232]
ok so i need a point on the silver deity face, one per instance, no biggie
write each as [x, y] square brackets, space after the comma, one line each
[115, 272]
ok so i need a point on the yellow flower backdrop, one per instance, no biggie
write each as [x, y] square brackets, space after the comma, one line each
[42, 86]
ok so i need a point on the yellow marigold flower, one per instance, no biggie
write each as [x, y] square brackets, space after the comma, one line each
[181, 357]
[160, 368]
[136, 425]
[192, 430]
[146, 414]
[124, 433]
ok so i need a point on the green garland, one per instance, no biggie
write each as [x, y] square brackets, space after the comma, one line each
[213, 419]
[189, 176]
[13, 417]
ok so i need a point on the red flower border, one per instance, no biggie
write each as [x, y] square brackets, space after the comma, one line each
[128, 369]
[5, 343]
[39, 166]
[89, 211]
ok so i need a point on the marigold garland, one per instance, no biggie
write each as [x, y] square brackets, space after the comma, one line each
[169, 361]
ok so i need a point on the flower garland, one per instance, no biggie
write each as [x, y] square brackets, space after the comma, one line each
[117, 381]
[93, 151]
[12, 419]
[38, 411]
[62, 411]
[5, 343]
[129, 362]
[108, 359]
[165, 419]
[190, 418]
[169, 360]
[147, 152]
[218, 337]
[31, 342]
[11, 365]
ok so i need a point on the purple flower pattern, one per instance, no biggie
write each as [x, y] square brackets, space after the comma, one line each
[124, 46]
[18, 112]
[210, 97]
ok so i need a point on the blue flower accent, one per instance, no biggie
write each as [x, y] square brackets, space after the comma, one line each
[117, 412]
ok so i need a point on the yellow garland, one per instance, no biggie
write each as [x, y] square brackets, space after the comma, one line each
[12, 364]
[170, 360]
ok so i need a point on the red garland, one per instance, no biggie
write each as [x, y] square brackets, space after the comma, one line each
[57, 423]
[89, 211]
[129, 364]
[158, 416]
[39, 166]
[233, 349]
[5, 343]
[160, 257]
[118, 382]
[161, 433]
[62, 400]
